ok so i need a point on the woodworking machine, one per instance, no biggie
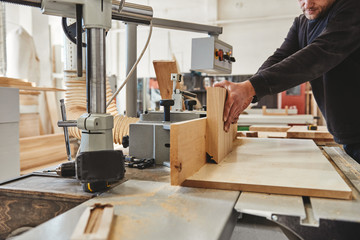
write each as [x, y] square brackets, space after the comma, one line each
[98, 163]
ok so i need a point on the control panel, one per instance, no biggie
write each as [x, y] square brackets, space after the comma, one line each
[210, 55]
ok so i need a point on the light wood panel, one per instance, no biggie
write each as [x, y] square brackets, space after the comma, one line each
[282, 166]
[303, 132]
[187, 149]
[163, 71]
[218, 142]
[40, 150]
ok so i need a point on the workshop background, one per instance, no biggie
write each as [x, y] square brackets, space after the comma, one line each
[254, 28]
[284, 132]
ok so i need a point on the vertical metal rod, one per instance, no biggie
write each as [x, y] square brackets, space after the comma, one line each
[79, 39]
[66, 133]
[95, 70]
[131, 54]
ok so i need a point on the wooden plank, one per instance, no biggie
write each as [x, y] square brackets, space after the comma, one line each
[53, 110]
[163, 71]
[20, 87]
[95, 223]
[269, 128]
[303, 132]
[264, 112]
[187, 151]
[40, 150]
[218, 142]
[281, 166]
[13, 81]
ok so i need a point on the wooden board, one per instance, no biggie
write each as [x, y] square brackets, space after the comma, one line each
[40, 150]
[163, 71]
[218, 142]
[303, 132]
[187, 151]
[282, 166]
[269, 128]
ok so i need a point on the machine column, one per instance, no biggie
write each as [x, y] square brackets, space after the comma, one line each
[96, 70]
[131, 54]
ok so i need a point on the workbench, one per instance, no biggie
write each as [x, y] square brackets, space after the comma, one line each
[153, 209]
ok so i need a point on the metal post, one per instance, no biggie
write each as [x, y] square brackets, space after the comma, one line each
[131, 54]
[95, 71]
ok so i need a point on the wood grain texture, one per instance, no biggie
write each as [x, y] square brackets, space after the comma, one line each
[31, 200]
[40, 150]
[187, 149]
[163, 71]
[218, 142]
[303, 132]
[281, 166]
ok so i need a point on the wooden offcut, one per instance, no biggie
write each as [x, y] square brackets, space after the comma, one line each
[218, 142]
[95, 223]
[163, 71]
[303, 132]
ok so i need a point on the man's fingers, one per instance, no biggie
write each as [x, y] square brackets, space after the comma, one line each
[222, 84]
[228, 105]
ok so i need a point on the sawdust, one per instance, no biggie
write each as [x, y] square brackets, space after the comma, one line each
[127, 227]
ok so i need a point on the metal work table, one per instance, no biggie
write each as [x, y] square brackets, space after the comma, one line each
[156, 210]
[152, 210]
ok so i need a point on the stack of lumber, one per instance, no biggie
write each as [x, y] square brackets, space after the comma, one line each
[42, 150]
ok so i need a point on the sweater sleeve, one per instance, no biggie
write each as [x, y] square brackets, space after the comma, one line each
[288, 68]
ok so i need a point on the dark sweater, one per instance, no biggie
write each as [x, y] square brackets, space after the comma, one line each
[326, 52]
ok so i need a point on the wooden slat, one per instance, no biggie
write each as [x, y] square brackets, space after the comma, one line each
[20, 87]
[187, 149]
[218, 142]
[269, 128]
[281, 166]
[303, 132]
[95, 223]
[14, 81]
[163, 71]
[41, 150]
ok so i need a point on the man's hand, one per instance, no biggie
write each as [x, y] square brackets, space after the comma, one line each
[239, 96]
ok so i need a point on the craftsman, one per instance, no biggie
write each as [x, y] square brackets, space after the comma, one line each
[322, 47]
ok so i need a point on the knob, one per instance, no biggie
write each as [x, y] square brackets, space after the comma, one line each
[190, 104]
[232, 59]
[167, 103]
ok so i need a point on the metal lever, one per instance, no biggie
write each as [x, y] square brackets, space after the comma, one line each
[66, 133]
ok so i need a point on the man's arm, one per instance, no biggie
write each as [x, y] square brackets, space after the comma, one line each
[241, 94]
